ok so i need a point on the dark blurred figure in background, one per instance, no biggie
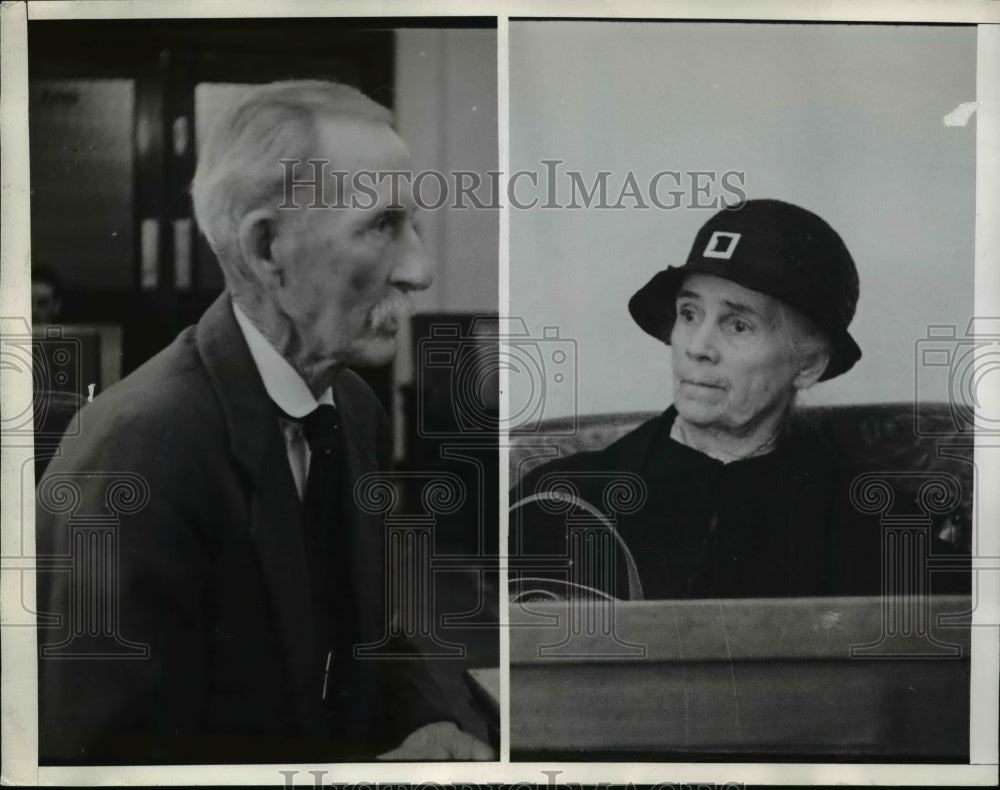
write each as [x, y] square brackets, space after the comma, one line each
[46, 295]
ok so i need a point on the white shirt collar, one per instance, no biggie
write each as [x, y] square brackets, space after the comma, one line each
[282, 382]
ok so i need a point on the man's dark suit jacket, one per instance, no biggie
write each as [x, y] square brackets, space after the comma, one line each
[211, 576]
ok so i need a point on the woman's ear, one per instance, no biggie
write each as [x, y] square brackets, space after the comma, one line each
[813, 365]
[256, 237]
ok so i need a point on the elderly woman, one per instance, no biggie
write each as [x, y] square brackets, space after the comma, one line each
[730, 494]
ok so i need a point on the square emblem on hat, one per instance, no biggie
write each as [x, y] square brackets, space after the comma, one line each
[721, 245]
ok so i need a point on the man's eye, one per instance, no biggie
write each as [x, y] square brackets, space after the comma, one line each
[686, 314]
[741, 327]
[383, 223]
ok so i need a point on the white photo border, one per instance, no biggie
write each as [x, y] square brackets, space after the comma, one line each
[19, 681]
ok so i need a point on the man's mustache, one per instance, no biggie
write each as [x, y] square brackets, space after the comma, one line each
[391, 310]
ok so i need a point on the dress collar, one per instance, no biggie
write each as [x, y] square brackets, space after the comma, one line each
[283, 383]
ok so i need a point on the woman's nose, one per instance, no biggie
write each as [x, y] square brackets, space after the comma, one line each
[702, 341]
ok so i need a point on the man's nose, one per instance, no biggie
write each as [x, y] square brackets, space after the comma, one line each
[414, 270]
[702, 342]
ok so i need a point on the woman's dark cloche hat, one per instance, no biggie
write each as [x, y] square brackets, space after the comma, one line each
[774, 248]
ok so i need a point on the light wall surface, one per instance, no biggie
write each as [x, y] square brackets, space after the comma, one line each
[845, 120]
[446, 111]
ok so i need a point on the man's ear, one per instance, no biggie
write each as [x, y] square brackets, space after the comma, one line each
[812, 368]
[256, 237]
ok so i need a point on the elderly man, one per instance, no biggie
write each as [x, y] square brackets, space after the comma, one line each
[731, 495]
[241, 573]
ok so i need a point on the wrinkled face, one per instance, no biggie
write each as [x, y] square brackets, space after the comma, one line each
[349, 269]
[734, 363]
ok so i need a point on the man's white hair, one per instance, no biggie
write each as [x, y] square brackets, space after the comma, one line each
[238, 167]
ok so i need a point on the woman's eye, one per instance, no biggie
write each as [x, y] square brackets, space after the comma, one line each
[686, 314]
[417, 223]
[383, 223]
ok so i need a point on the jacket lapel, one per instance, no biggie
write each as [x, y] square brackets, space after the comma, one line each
[275, 528]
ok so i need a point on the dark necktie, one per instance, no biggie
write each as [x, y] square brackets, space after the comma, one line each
[321, 428]
[327, 541]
